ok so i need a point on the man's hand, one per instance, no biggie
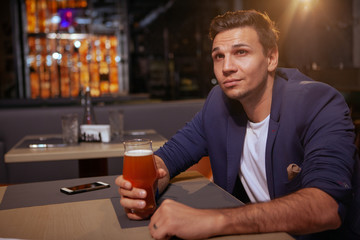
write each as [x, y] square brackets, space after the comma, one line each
[175, 219]
[132, 199]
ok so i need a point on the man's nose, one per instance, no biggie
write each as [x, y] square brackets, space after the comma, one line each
[228, 65]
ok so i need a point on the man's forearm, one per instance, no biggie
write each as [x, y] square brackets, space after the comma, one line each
[306, 211]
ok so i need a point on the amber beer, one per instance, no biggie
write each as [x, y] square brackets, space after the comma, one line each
[139, 168]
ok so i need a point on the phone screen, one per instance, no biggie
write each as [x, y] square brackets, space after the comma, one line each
[84, 187]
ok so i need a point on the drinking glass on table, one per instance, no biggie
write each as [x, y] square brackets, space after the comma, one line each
[140, 169]
[116, 120]
[70, 128]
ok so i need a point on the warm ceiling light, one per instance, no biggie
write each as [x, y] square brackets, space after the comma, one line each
[306, 4]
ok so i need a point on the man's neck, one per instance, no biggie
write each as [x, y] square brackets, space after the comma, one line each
[258, 109]
[259, 112]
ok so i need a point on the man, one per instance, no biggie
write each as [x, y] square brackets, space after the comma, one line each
[274, 134]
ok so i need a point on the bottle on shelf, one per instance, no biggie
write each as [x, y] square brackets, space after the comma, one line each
[60, 60]
[89, 114]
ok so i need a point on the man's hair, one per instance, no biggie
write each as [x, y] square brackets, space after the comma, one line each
[263, 25]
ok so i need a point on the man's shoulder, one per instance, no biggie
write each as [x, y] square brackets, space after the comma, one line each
[298, 81]
[294, 90]
[216, 94]
[292, 75]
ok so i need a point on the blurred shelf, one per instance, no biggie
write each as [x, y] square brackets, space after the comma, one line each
[105, 100]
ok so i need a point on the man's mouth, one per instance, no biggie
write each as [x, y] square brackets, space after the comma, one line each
[231, 82]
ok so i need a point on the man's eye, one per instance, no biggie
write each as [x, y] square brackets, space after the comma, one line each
[241, 52]
[218, 56]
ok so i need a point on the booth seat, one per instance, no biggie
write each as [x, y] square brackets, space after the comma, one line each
[164, 117]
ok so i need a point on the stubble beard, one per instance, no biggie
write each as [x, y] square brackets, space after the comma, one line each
[244, 95]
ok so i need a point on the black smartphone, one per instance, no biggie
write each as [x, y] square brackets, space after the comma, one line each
[85, 187]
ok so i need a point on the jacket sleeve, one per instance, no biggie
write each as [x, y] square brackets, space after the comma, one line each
[187, 146]
[328, 140]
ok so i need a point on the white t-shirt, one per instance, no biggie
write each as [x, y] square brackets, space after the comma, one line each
[252, 164]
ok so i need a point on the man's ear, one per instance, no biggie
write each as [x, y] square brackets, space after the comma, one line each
[273, 59]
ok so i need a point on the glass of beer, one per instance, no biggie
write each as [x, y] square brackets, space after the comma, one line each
[140, 169]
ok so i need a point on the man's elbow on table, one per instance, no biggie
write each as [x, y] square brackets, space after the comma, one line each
[322, 208]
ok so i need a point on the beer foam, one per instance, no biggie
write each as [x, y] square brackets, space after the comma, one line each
[138, 152]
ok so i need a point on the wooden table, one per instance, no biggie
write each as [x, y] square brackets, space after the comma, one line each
[94, 219]
[93, 156]
[82, 150]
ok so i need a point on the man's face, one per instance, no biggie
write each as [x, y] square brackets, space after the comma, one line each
[240, 65]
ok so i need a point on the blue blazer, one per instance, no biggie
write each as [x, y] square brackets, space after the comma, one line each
[310, 126]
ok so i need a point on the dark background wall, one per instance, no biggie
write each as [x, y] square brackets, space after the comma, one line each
[170, 49]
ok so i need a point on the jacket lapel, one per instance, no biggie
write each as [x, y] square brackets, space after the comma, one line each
[235, 142]
[274, 123]
[273, 129]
